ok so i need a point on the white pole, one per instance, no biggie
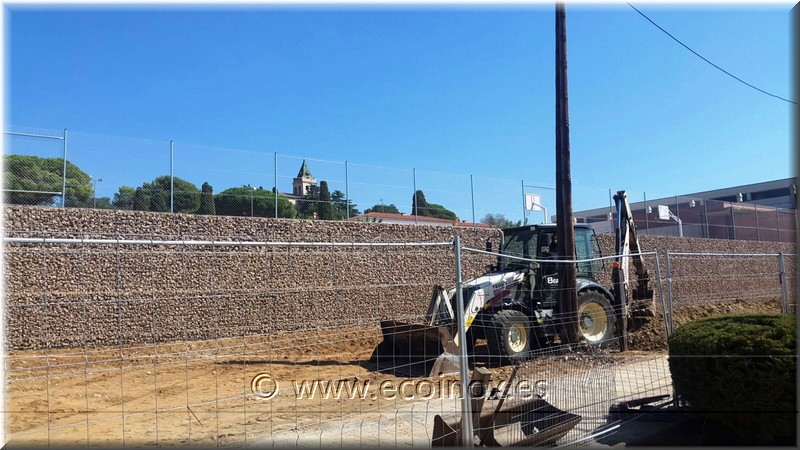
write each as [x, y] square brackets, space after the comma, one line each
[466, 415]
[64, 174]
[171, 177]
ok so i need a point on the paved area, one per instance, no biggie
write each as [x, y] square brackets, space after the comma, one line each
[588, 392]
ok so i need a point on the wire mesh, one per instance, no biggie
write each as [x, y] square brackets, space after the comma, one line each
[705, 284]
[165, 176]
[25, 181]
[177, 340]
[161, 344]
[708, 218]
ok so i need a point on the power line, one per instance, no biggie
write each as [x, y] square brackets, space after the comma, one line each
[706, 60]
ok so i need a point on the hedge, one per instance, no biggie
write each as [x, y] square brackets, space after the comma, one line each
[740, 372]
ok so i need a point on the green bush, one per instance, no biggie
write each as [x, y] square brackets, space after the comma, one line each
[739, 371]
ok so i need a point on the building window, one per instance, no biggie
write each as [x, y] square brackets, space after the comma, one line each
[770, 193]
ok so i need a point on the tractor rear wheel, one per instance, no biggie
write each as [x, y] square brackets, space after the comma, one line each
[596, 319]
[508, 335]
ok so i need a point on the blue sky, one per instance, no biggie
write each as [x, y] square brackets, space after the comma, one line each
[448, 91]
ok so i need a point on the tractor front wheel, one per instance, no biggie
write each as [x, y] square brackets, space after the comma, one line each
[508, 335]
[596, 319]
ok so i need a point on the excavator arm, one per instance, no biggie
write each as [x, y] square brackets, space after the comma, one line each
[633, 298]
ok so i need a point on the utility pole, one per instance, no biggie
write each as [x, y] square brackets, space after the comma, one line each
[567, 296]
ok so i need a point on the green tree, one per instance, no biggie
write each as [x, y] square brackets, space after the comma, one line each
[158, 201]
[103, 203]
[308, 205]
[186, 196]
[324, 208]
[439, 211]
[207, 205]
[418, 203]
[390, 209]
[500, 221]
[141, 200]
[421, 207]
[123, 199]
[238, 201]
[340, 205]
[32, 173]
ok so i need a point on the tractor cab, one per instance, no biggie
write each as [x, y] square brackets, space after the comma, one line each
[538, 242]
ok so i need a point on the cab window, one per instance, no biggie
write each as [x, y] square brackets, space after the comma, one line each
[583, 250]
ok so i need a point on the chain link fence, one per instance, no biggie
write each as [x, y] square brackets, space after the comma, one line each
[708, 218]
[112, 172]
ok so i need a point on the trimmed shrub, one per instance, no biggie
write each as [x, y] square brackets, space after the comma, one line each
[739, 371]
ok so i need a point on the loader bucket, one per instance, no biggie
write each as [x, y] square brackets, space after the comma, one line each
[409, 349]
[533, 422]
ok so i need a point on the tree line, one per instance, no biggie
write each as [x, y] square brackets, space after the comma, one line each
[33, 180]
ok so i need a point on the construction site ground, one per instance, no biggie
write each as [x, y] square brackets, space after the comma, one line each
[202, 393]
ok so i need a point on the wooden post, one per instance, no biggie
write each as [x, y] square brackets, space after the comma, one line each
[568, 297]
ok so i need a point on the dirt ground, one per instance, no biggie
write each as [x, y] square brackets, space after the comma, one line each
[117, 391]
[138, 394]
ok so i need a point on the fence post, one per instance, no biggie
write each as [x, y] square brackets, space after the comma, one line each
[784, 288]
[758, 229]
[611, 210]
[466, 416]
[705, 216]
[675, 400]
[661, 296]
[347, 192]
[524, 204]
[64, 174]
[733, 222]
[171, 177]
[416, 209]
[276, 184]
[669, 292]
[472, 195]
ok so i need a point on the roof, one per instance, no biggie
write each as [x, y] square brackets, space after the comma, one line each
[304, 171]
[716, 194]
[410, 218]
[546, 226]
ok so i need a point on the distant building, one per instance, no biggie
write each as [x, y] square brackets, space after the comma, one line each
[407, 219]
[300, 184]
[303, 181]
[760, 211]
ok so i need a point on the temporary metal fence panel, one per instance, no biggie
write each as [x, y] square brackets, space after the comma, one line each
[176, 340]
[704, 284]
[160, 340]
[582, 383]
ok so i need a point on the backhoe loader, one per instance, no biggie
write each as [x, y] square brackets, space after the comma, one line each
[514, 305]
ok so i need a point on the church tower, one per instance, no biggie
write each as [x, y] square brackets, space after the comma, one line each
[303, 180]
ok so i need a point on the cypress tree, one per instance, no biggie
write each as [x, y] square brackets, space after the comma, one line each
[324, 208]
[207, 206]
[419, 204]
